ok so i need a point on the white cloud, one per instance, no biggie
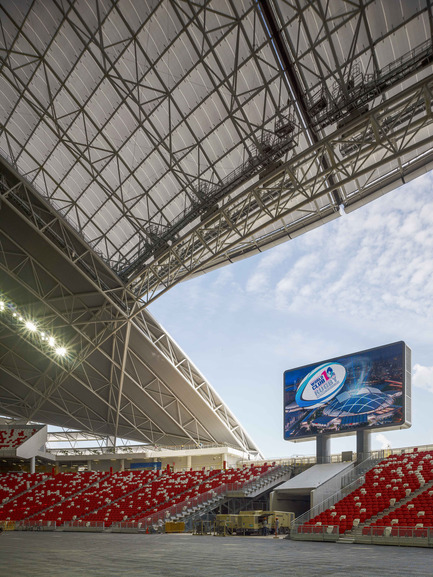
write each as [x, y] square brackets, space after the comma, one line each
[385, 443]
[373, 263]
[259, 281]
[297, 347]
[422, 377]
[223, 278]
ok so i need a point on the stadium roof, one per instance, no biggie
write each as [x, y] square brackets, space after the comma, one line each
[142, 143]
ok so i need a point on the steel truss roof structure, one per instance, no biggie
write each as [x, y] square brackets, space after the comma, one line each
[142, 143]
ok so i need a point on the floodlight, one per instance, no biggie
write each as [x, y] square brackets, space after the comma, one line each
[31, 326]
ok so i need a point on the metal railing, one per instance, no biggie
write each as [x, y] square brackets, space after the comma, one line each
[390, 535]
[293, 461]
[354, 480]
[297, 460]
[131, 449]
[83, 525]
[183, 509]
[337, 457]
[267, 477]
[34, 525]
[415, 536]
[349, 483]
[396, 533]
[40, 525]
[316, 533]
[359, 89]
[360, 469]
[209, 498]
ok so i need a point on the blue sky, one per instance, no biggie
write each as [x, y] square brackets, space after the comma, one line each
[364, 280]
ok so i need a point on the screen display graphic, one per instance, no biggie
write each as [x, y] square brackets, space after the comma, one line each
[342, 395]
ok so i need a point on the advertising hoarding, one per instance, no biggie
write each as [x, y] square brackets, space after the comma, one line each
[364, 390]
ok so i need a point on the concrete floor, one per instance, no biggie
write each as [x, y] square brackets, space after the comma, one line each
[34, 554]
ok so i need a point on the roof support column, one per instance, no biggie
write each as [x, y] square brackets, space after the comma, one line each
[122, 376]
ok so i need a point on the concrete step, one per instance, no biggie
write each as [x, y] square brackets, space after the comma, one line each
[346, 539]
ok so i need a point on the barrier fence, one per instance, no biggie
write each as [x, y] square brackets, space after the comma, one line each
[302, 460]
[316, 533]
[34, 525]
[416, 536]
[399, 532]
[400, 536]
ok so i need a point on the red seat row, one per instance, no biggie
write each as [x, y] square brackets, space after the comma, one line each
[385, 485]
[109, 498]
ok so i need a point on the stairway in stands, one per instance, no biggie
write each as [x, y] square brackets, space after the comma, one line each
[391, 488]
[263, 480]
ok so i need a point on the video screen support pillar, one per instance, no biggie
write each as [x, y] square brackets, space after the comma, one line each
[363, 445]
[323, 449]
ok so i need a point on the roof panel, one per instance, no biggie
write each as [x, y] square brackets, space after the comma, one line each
[40, 25]
[145, 100]
[149, 125]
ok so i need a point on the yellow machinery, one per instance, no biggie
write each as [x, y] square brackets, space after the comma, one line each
[174, 527]
[7, 525]
[226, 524]
[250, 522]
[254, 522]
[285, 519]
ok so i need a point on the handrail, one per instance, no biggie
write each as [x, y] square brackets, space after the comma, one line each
[349, 482]
[360, 469]
[207, 497]
[125, 449]
[337, 457]
[317, 509]
[297, 460]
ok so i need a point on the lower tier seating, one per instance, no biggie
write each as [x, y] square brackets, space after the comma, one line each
[90, 497]
[418, 513]
[53, 489]
[12, 484]
[387, 483]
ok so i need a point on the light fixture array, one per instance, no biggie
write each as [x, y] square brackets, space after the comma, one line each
[31, 326]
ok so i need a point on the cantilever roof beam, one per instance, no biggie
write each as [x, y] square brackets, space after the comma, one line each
[295, 87]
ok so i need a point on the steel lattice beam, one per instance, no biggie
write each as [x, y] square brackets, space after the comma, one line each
[106, 147]
[89, 330]
[389, 137]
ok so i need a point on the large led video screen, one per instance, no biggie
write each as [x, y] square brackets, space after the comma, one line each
[364, 390]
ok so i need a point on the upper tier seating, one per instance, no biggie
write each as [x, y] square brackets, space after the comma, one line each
[385, 485]
[13, 438]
